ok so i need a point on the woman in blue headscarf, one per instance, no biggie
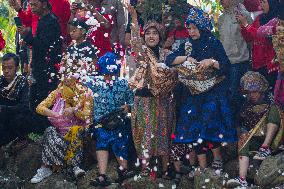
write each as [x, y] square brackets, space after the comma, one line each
[204, 119]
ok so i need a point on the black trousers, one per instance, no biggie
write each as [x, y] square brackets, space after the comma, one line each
[14, 124]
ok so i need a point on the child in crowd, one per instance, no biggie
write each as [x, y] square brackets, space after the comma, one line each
[178, 35]
[111, 94]
[82, 50]
[69, 110]
[257, 116]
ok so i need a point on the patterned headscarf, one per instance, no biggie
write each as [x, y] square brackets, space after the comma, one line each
[108, 64]
[154, 24]
[254, 82]
[200, 19]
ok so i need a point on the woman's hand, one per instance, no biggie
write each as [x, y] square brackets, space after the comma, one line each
[205, 64]
[131, 10]
[190, 59]
[68, 111]
[242, 20]
[126, 108]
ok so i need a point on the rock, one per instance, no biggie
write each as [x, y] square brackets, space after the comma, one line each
[10, 181]
[271, 172]
[55, 181]
[209, 179]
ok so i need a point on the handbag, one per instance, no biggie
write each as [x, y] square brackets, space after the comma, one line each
[114, 119]
[197, 82]
[63, 123]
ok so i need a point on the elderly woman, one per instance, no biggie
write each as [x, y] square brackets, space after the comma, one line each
[153, 81]
[69, 109]
[205, 118]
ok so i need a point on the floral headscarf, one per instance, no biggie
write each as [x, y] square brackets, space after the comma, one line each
[254, 82]
[200, 19]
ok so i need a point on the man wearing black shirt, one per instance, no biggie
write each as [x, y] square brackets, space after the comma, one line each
[15, 119]
[47, 50]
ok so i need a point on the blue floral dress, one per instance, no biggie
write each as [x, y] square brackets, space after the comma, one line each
[205, 116]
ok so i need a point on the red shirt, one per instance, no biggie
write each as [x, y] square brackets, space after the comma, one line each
[61, 9]
[179, 34]
[2, 42]
[262, 49]
[100, 36]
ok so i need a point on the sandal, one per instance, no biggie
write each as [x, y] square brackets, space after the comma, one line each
[100, 182]
[124, 175]
[177, 178]
[217, 164]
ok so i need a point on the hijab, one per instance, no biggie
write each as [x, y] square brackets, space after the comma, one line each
[272, 13]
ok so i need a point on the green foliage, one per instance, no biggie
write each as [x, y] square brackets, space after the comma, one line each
[7, 26]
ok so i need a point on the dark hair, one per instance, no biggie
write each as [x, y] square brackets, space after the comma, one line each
[272, 13]
[48, 4]
[10, 56]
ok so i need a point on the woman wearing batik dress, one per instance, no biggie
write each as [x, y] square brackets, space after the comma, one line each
[205, 118]
[152, 113]
[63, 141]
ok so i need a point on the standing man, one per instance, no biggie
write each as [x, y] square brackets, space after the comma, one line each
[60, 8]
[234, 44]
[47, 47]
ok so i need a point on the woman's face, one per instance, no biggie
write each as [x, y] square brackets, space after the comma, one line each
[193, 31]
[264, 6]
[152, 37]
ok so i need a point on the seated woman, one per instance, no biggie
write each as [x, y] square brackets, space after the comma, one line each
[111, 94]
[205, 118]
[14, 102]
[69, 109]
[259, 122]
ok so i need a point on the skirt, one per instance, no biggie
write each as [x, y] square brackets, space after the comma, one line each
[153, 120]
[207, 117]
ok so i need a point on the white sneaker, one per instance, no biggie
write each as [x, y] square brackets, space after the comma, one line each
[232, 183]
[78, 172]
[41, 174]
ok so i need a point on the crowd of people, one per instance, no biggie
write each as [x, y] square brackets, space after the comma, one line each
[162, 86]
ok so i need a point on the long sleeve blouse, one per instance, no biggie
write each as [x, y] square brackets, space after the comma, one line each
[84, 103]
[262, 48]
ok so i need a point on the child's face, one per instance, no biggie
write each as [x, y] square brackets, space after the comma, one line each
[76, 33]
[178, 23]
[255, 96]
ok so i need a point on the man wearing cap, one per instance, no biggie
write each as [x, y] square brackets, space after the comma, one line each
[47, 50]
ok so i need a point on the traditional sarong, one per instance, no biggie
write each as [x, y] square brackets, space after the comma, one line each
[152, 125]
